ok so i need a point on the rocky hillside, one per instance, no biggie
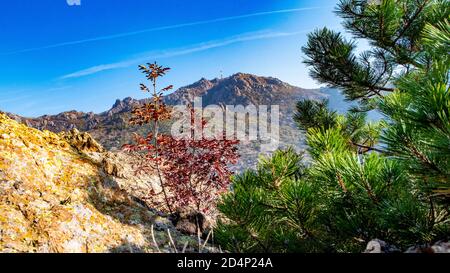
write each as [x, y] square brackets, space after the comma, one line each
[112, 130]
[64, 193]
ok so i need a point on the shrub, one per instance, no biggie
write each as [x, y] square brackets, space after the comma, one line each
[192, 172]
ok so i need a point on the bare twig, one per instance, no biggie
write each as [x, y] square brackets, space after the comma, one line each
[185, 247]
[154, 240]
[171, 240]
[368, 148]
[207, 238]
[199, 241]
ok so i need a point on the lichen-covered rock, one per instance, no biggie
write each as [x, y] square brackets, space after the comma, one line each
[81, 141]
[123, 167]
[55, 199]
[112, 165]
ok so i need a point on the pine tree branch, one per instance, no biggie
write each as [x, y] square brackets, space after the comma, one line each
[411, 20]
[368, 148]
[423, 158]
[387, 89]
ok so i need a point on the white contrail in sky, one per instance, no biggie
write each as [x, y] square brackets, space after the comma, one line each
[182, 51]
[126, 34]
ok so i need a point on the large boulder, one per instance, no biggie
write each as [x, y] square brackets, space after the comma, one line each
[190, 221]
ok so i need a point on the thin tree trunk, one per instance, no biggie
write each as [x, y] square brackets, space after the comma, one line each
[158, 170]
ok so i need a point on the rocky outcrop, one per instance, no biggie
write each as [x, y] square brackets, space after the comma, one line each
[62, 122]
[81, 141]
[55, 197]
[112, 165]
[379, 246]
[192, 222]
[438, 247]
[125, 105]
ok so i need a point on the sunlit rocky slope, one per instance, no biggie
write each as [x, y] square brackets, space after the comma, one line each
[64, 193]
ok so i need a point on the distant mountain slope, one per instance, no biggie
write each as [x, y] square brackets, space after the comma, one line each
[111, 128]
[337, 102]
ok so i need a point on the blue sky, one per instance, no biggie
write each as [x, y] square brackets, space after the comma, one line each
[55, 57]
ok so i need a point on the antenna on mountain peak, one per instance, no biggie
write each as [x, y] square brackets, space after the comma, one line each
[221, 74]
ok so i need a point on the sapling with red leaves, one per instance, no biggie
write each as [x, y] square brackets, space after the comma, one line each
[192, 171]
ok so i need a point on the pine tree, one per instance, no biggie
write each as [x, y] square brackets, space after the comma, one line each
[365, 180]
[271, 209]
[404, 75]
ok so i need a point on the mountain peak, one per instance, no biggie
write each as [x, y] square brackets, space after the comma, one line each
[239, 88]
[126, 100]
[252, 79]
[124, 105]
[202, 83]
[241, 75]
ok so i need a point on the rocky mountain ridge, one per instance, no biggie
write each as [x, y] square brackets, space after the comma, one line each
[112, 129]
[238, 89]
